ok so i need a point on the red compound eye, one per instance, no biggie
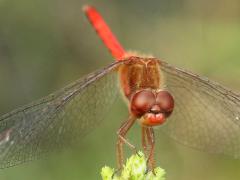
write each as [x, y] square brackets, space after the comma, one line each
[165, 101]
[141, 102]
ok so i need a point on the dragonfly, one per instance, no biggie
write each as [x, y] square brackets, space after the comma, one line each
[190, 109]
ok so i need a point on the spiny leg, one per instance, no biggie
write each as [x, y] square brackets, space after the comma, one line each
[121, 139]
[144, 143]
[151, 142]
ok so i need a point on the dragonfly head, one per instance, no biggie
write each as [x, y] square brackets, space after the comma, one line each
[152, 107]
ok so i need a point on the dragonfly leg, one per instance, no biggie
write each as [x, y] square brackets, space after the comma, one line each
[144, 143]
[122, 140]
[151, 142]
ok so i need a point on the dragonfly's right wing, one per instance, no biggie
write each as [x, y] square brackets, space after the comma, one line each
[58, 119]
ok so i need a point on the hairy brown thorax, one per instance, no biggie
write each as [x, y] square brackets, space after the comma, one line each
[139, 73]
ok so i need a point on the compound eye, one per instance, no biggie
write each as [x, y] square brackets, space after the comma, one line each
[165, 101]
[141, 102]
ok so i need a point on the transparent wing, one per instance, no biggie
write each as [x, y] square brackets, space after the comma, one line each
[206, 115]
[57, 120]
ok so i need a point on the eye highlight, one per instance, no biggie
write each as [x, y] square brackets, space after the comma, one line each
[141, 102]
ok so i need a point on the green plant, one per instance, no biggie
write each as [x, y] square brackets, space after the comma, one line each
[134, 169]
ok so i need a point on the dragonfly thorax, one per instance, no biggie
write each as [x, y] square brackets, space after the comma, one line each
[139, 73]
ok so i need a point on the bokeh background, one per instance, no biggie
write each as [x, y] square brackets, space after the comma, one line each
[46, 44]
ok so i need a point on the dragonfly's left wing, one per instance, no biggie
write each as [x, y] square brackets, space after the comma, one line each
[206, 115]
[57, 120]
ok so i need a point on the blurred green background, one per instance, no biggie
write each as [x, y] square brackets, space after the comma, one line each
[44, 45]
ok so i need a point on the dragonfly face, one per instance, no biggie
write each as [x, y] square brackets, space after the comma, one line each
[152, 107]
